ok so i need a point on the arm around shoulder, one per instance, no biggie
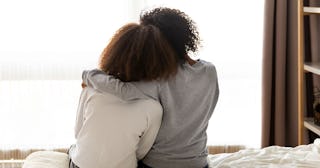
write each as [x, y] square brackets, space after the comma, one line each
[103, 82]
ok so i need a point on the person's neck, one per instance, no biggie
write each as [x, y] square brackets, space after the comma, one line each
[190, 61]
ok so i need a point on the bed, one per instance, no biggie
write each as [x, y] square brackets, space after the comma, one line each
[306, 156]
[303, 156]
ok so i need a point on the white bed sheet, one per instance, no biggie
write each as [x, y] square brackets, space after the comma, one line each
[304, 156]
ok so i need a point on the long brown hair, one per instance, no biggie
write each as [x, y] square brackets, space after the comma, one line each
[139, 52]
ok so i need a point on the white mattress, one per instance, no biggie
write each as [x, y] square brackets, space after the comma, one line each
[304, 156]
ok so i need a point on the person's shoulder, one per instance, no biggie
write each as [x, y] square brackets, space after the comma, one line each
[206, 63]
[94, 95]
[208, 66]
[150, 104]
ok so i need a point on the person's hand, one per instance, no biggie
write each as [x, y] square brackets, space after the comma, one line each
[83, 85]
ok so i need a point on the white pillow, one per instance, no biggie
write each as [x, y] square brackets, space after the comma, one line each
[46, 159]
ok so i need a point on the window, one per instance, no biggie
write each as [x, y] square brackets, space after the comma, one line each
[232, 34]
[45, 45]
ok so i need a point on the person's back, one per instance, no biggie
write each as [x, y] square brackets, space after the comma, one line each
[188, 101]
[112, 132]
[188, 98]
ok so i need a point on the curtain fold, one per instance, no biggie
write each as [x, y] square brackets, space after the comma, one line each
[279, 78]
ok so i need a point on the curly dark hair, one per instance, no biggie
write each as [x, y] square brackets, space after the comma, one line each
[179, 29]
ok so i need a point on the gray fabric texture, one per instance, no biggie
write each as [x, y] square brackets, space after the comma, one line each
[188, 100]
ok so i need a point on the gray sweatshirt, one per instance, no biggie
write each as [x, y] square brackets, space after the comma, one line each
[188, 100]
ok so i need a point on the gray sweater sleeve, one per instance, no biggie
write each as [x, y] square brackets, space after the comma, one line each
[102, 82]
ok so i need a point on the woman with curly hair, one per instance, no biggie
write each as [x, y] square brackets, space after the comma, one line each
[188, 98]
[112, 132]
